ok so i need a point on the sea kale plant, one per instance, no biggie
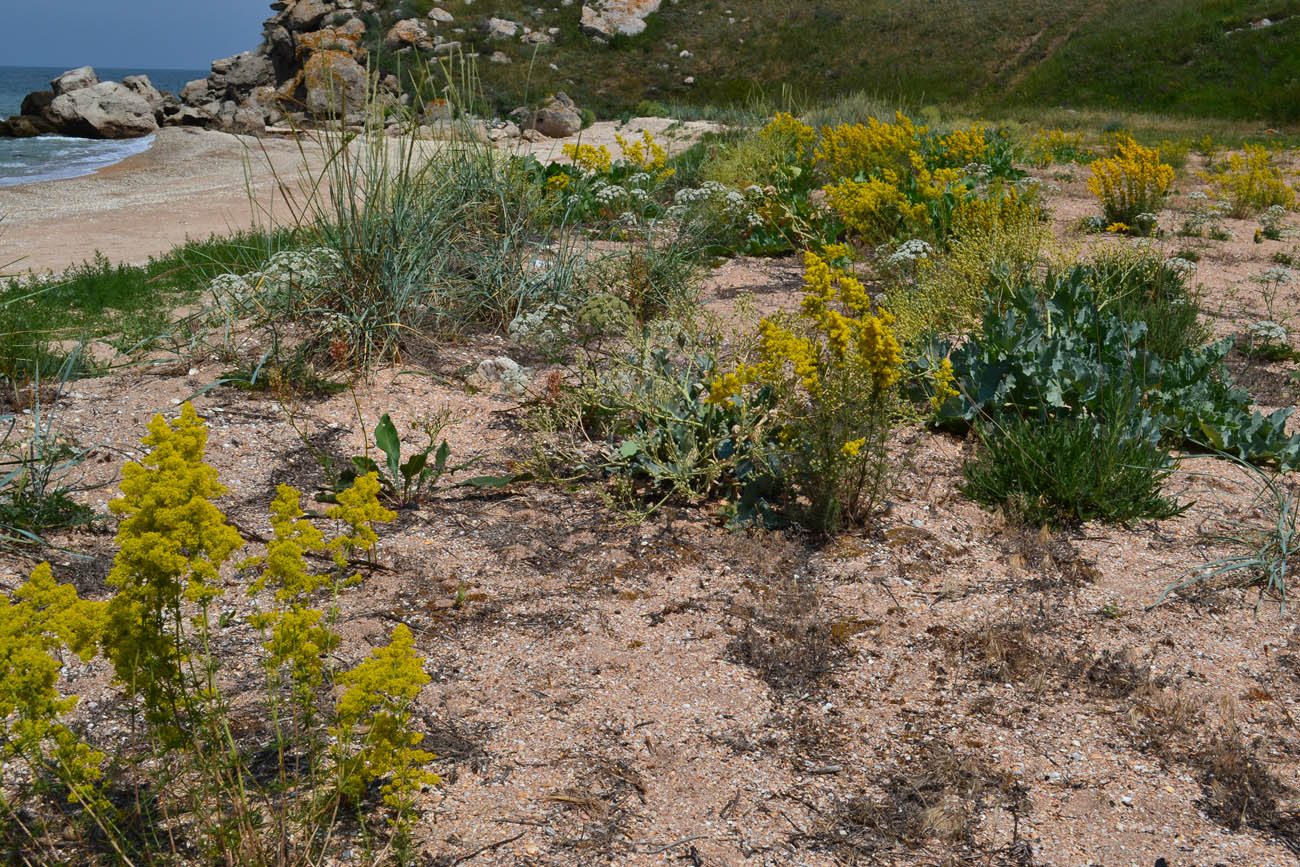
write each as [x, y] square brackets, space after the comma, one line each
[1065, 347]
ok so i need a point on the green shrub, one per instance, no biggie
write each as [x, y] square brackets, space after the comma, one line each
[1070, 469]
[1057, 350]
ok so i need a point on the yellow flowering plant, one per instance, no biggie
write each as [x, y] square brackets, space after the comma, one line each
[1250, 183]
[895, 181]
[1130, 184]
[832, 365]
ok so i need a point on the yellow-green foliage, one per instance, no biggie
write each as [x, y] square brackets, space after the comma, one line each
[869, 149]
[43, 618]
[171, 543]
[997, 243]
[961, 147]
[376, 707]
[783, 146]
[647, 155]
[1250, 183]
[1131, 182]
[359, 509]
[1054, 145]
[832, 365]
[589, 158]
[877, 209]
[297, 638]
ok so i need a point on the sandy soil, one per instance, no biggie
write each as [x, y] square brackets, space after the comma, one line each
[194, 183]
[945, 688]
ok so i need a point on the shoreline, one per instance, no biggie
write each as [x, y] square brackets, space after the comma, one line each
[193, 183]
[189, 184]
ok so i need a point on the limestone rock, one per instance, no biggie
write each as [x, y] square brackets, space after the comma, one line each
[106, 110]
[557, 118]
[244, 71]
[500, 28]
[195, 92]
[604, 19]
[74, 79]
[143, 87]
[409, 33]
[441, 16]
[336, 84]
[307, 15]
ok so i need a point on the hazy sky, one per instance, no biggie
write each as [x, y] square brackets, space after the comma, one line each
[142, 34]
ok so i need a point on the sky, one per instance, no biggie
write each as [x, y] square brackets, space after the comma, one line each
[138, 34]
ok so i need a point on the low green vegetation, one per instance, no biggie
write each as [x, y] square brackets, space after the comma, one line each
[1208, 59]
[933, 295]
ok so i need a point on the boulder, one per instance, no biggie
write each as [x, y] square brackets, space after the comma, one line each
[143, 87]
[37, 103]
[438, 15]
[335, 83]
[604, 19]
[74, 79]
[344, 38]
[106, 110]
[446, 48]
[195, 92]
[408, 33]
[22, 127]
[307, 15]
[498, 57]
[557, 118]
[244, 71]
[248, 120]
[499, 28]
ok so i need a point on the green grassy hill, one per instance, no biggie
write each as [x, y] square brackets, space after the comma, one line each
[1200, 57]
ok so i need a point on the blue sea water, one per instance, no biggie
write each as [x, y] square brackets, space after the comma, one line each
[46, 158]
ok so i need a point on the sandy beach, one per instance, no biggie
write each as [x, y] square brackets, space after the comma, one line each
[193, 183]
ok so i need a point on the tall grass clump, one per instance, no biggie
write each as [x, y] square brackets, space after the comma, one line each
[1265, 548]
[413, 238]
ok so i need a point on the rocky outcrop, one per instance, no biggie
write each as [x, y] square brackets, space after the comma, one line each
[74, 79]
[604, 19]
[105, 110]
[313, 66]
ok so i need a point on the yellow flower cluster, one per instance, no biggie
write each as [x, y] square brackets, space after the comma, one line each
[646, 154]
[1051, 145]
[1131, 182]
[589, 158]
[835, 333]
[964, 146]
[1250, 183]
[945, 382]
[849, 150]
[876, 208]
[557, 183]
[723, 388]
[789, 131]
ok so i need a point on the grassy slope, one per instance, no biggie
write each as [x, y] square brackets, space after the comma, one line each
[1160, 55]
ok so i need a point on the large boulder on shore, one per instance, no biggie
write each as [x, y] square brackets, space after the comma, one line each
[336, 85]
[143, 87]
[74, 79]
[105, 110]
[242, 72]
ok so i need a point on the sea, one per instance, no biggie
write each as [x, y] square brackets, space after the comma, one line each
[49, 157]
